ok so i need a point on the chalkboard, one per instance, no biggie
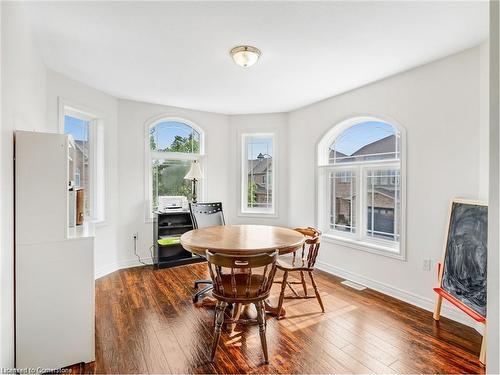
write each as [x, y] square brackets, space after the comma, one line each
[464, 268]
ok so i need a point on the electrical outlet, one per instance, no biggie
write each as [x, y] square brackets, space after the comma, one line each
[427, 264]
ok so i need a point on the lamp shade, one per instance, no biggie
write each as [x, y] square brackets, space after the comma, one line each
[194, 172]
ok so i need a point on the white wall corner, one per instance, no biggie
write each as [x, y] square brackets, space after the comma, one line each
[122, 264]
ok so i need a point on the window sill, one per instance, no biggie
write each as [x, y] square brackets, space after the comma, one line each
[86, 230]
[270, 215]
[369, 247]
[100, 223]
[95, 223]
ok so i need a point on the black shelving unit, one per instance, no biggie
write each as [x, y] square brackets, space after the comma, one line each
[171, 225]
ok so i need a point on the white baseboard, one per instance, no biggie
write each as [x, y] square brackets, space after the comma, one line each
[103, 271]
[411, 298]
[106, 270]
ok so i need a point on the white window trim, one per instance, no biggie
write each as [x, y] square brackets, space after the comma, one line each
[244, 210]
[66, 107]
[360, 240]
[159, 155]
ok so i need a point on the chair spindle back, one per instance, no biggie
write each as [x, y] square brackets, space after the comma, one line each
[310, 248]
[237, 277]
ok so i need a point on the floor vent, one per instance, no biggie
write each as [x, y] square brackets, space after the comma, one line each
[353, 285]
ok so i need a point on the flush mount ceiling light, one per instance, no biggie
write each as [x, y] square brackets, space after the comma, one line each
[245, 56]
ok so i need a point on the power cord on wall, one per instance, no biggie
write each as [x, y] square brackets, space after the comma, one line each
[138, 256]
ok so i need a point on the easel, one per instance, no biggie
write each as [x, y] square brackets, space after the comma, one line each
[474, 315]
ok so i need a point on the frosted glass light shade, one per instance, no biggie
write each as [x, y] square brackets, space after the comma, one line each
[245, 56]
[194, 172]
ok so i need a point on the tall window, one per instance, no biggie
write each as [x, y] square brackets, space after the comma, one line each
[79, 131]
[257, 174]
[86, 166]
[360, 167]
[172, 146]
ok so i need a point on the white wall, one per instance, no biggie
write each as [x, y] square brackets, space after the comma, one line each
[23, 108]
[106, 107]
[277, 124]
[493, 352]
[484, 129]
[439, 105]
[221, 168]
[30, 102]
[132, 117]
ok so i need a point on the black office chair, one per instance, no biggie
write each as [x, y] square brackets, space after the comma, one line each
[205, 215]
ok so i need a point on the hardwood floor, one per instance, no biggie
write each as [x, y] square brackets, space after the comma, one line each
[146, 323]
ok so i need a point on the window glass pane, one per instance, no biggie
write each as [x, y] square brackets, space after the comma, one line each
[343, 201]
[79, 129]
[383, 204]
[370, 140]
[259, 157]
[172, 136]
[168, 179]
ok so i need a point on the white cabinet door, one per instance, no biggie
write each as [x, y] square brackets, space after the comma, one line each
[41, 178]
[55, 303]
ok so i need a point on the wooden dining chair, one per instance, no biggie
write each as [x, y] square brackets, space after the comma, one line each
[241, 280]
[205, 215]
[302, 261]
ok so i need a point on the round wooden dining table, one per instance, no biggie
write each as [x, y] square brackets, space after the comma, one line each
[243, 240]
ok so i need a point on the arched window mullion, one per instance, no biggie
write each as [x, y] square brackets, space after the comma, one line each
[171, 145]
[360, 173]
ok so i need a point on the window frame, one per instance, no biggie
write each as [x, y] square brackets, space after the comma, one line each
[165, 155]
[360, 240]
[244, 210]
[97, 193]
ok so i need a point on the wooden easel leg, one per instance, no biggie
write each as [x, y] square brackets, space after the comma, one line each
[482, 354]
[437, 308]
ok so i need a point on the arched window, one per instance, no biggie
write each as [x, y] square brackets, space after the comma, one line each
[171, 145]
[361, 185]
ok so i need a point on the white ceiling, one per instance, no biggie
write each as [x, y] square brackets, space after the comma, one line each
[176, 53]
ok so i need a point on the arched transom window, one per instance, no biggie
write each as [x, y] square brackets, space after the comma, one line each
[172, 145]
[361, 186]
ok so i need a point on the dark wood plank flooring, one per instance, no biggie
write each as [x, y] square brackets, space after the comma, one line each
[146, 323]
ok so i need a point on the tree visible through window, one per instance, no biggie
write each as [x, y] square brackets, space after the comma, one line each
[173, 145]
